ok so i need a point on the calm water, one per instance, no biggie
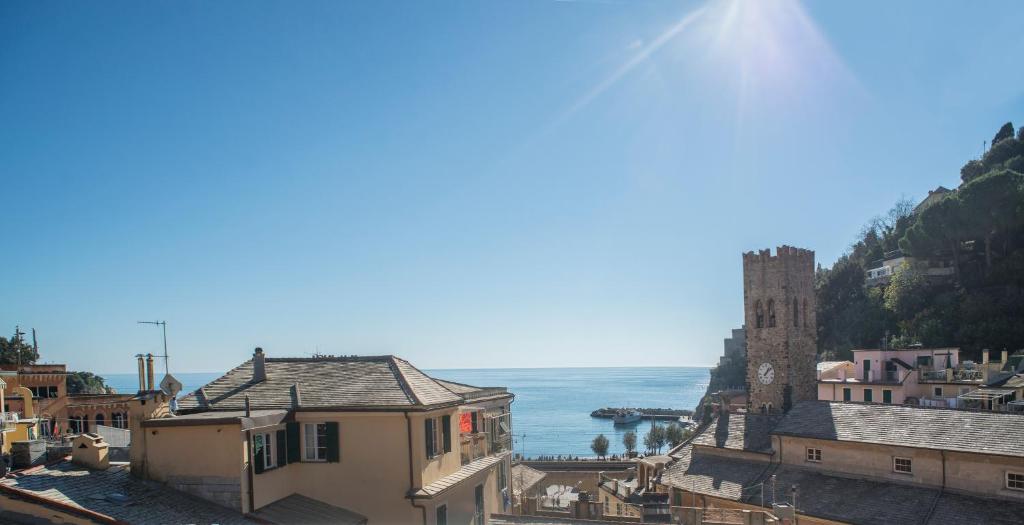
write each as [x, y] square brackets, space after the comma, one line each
[551, 412]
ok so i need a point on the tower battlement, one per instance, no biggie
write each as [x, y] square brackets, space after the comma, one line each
[783, 252]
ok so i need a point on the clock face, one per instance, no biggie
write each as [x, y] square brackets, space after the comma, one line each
[765, 373]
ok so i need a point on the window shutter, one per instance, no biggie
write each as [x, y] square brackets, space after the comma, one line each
[333, 448]
[282, 457]
[475, 428]
[257, 457]
[446, 432]
[293, 442]
[428, 430]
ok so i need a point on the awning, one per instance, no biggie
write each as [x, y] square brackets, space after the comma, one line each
[987, 394]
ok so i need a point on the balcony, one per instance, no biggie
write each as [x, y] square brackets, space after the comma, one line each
[8, 421]
[472, 446]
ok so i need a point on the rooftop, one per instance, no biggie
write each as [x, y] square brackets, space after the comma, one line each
[996, 433]
[307, 511]
[738, 431]
[850, 500]
[112, 495]
[328, 383]
[466, 471]
[525, 478]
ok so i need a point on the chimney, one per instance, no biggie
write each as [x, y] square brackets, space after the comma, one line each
[150, 382]
[1006, 357]
[259, 366]
[142, 373]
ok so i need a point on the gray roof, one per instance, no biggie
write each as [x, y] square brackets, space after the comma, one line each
[750, 432]
[996, 433]
[524, 477]
[466, 471]
[324, 383]
[509, 519]
[830, 496]
[114, 493]
[298, 509]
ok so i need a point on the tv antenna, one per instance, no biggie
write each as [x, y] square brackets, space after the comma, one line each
[162, 324]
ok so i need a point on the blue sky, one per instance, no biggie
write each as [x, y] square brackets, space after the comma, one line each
[465, 184]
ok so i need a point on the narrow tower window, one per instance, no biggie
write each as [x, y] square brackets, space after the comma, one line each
[795, 308]
[771, 313]
[805, 313]
[759, 314]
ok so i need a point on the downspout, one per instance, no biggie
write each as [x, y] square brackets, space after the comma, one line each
[412, 481]
[248, 446]
[942, 489]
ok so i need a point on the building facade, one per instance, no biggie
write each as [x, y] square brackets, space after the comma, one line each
[779, 310]
[372, 435]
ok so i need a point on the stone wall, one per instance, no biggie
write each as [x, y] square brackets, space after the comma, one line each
[779, 313]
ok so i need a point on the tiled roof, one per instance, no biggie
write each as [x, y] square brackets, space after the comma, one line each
[115, 495]
[464, 472]
[750, 432]
[920, 427]
[844, 499]
[509, 519]
[378, 382]
[524, 477]
[307, 511]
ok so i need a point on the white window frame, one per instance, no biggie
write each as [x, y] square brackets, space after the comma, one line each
[317, 445]
[438, 441]
[269, 440]
[1019, 482]
[814, 455]
[910, 465]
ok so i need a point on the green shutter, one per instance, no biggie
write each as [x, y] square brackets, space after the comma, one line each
[282, 453]
[847, 394]
[446, 432]
[868, 395]
[887, 396]
[333, 447]
[428, 429]
[293, 442]
[257, 454]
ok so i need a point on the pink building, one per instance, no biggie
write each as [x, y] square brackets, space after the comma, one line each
[915, 376]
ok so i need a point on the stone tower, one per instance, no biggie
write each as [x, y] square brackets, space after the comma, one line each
[779, 310]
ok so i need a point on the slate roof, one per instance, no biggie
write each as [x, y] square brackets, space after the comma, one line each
[466, 471]
[737, 431]
[509, 519]
[324, 383]
[833, 497]
[997, 433]
[307, 511]
[524, 477]
[114, 494]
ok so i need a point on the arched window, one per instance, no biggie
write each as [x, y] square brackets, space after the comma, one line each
[795, 317]
[805, 312]
[100, 420]
[771, 313]
[117, 419]
[759, 314]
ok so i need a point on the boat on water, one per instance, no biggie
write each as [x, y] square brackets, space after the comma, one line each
[626, 417]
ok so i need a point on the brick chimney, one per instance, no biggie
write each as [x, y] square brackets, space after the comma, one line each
[259, 366]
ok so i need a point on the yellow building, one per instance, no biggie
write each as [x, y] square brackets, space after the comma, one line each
[371, 435]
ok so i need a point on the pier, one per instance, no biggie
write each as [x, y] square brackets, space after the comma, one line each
[665, 414]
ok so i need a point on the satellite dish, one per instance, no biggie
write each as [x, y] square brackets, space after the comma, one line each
[170, 386]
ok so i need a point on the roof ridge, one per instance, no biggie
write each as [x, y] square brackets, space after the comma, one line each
[434, 379]
[403, 381]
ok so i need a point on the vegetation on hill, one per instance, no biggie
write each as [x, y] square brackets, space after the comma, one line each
[15, 350]
[86, 383]
[977, 229]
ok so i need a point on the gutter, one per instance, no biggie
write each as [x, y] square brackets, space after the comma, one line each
[412, 500]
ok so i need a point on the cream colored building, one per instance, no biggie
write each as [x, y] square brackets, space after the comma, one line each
[371, 435]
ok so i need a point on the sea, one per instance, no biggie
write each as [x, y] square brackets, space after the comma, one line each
[551, 411]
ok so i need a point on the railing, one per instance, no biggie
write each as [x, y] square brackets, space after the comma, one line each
[472, 447]
[8, 421]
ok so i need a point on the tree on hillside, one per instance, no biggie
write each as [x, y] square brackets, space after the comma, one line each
[85, 383]
[600, 446]
[1005, 132]
[992, 208]
[629, 441]
[15, 350]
